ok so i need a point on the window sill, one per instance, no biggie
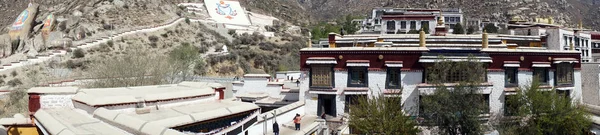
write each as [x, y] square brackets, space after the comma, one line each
[424, 85]
[356, 89]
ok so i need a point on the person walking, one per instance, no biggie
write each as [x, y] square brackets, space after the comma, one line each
[275, 128]
[297, 121]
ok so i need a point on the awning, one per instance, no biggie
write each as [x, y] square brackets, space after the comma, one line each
[512, 64]
[541, 64]
[320, 60]
[434, 59]
[565, 60]
[357, 63]
[393, 64]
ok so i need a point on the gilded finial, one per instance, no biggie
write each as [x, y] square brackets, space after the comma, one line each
[571, 47]
[484, 40]
[580, 24]
[422, 38]
[441, 19]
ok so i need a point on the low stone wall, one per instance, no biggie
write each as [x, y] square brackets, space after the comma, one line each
[285, 114]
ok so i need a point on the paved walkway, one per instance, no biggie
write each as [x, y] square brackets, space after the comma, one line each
[306, 124]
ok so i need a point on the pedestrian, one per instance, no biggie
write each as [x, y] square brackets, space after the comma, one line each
[275, 128]
[297, 121]
[297, 83]
[292, 78]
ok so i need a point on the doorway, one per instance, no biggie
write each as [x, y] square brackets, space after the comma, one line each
[327, 105]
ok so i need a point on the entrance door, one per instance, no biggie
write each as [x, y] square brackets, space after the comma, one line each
[327, 104]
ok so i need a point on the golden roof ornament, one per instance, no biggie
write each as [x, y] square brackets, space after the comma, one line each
[580, 24]
[440, 20]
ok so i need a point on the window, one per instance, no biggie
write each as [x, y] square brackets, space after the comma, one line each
[391, 25]
[424, 24]
[376, 21]
[321, 76]
[446, 19]
[403, 24]
[510, 77]
[564, 74]
[541, 74]
[392, 80]
[486, 103]
[510, 107]
[357, 77]
[455, 76]
[413, 25]
[457, 19]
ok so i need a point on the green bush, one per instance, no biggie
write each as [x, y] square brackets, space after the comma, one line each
[78, 53]
[13, 73]
[231, 32]
[14, 82]
[490, 28]
[458, 29]
[187, 20]
[110, 43]
[153, 38]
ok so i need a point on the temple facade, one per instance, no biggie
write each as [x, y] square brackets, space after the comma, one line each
[396, 65]
[403, 20]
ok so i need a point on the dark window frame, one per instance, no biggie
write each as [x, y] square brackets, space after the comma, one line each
[568, 75]
[388, 78]
[515, 73]
[402, 24]
[332, 74]
[413, 25]
[351, 71]
[544, 78]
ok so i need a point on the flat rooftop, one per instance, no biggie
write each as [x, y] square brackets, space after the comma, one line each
[74, 121]
[124, 95]
[166, 118]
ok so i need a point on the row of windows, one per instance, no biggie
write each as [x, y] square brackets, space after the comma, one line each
[322, 76]
[564, 75]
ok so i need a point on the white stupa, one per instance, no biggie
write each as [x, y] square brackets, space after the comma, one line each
[224, 49]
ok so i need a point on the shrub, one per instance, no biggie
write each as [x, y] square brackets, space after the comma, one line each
[153, 38]
[267, 46]
[153, 45]
[110, 43]
[203, 49]
[187, 20]
[490, 28]
[458, 29]
[200, 68]
[13, 73]
[78, 53]
[231, 32]
[165, 35]
[14, 82]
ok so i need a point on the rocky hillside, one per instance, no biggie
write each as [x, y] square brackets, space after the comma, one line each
[566, 12]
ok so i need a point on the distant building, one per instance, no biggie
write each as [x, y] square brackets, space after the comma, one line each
[402, 20]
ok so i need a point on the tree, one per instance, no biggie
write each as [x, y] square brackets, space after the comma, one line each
[543, 112]
[458, 29]
[381, 115]
[490, 28]
[78, 53]
[135, 67]
[454, 109]
[471, 30]
[182, 60]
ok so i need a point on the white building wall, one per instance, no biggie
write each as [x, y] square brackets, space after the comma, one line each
[272, 90]
[253, 85]
[410, 93]
[497, 95]
[56, 101]
[282, 118]
[576, 92]
[311, 102]
[341, 79]
[525, 78]
[376, 82]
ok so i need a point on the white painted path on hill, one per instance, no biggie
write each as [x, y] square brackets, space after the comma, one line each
[83, 44]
